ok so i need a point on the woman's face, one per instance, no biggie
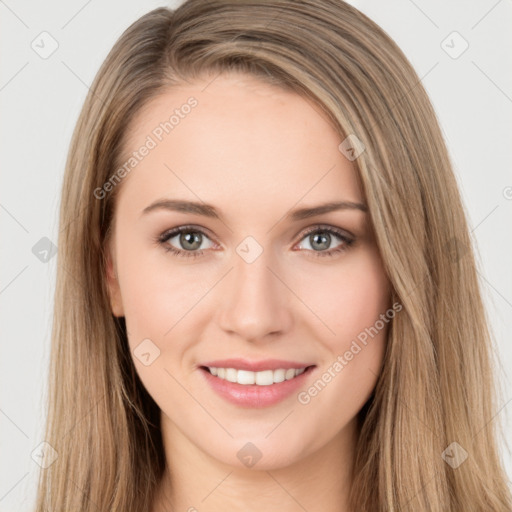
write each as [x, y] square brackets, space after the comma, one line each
[258, 280]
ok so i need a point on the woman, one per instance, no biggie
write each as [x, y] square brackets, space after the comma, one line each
[266, 294]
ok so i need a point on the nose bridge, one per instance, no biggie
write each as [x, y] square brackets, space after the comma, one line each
[256, 301]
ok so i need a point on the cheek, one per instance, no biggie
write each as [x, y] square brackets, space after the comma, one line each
[350, 298]
[357, 309]
[156, 294]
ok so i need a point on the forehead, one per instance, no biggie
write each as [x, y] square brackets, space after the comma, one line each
[235, 139]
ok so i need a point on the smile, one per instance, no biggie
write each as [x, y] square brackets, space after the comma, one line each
[255, 384]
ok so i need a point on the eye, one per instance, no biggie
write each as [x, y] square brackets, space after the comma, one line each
[320, 238]
[191, 239]
[188, 237]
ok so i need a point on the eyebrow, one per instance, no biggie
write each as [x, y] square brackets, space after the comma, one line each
[208, 210]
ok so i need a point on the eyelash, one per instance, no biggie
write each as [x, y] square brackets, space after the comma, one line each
[164, 237]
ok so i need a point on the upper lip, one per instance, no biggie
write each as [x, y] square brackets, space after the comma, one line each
[255, 366]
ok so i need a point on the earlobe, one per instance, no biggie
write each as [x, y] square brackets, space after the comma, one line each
[114, 290]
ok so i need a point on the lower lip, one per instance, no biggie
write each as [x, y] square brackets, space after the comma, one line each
[252, 395]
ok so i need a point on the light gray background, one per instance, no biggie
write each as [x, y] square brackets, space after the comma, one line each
[40, 101]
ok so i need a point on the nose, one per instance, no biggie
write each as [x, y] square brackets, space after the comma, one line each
[255, 302]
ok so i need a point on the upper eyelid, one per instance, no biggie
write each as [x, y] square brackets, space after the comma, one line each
[327, 227]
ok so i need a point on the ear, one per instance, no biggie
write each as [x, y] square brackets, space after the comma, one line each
[114, 291]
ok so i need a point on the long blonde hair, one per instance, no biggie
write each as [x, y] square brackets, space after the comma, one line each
[436, 386]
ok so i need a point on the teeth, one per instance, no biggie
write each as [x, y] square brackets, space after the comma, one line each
[263, 378]
[231, 374]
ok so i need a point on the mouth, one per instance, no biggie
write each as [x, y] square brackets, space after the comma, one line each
[255, 384]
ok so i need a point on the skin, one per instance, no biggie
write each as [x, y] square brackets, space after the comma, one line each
[255, 152]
